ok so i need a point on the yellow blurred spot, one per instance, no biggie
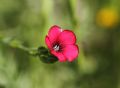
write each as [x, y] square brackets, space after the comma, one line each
[107, 17]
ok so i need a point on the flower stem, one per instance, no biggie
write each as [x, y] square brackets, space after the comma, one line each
[41, 52]
[31, 51]
[14, 43]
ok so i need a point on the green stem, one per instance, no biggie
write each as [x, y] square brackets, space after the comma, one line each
[31, 51]
[18, 44]
[41, 52]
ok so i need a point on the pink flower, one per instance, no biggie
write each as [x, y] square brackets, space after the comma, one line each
[61, 44]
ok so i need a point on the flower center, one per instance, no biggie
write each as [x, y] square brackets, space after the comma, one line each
[56, 47]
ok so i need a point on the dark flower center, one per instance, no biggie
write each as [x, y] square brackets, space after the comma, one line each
[57, 46]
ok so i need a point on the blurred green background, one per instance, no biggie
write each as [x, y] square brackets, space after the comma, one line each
[96, 24]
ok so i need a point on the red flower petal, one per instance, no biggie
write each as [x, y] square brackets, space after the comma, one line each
[59, 55]
[67, 37]
[71, 52]
[54, 33]
[48, 43]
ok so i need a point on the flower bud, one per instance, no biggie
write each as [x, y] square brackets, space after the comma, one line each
[45, 56]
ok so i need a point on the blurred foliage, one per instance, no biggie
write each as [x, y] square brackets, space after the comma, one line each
[28, 21]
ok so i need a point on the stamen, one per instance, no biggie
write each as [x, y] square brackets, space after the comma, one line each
[61, 30]
[56, 47]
